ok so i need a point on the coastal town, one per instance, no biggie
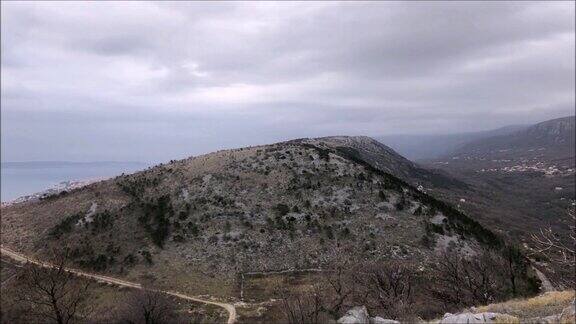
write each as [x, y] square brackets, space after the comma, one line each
[57, 189]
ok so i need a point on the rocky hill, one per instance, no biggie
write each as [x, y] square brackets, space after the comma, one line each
[198, 224]
[527, 177]
[521, 182]
[550, 140]
[432, 146]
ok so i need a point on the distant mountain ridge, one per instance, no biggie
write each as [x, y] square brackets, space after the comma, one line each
[525, 180]
[556, 136]
[431, 146]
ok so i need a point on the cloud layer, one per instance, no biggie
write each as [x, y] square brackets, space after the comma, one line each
[155, 81]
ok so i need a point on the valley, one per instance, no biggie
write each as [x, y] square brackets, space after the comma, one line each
[524, 179]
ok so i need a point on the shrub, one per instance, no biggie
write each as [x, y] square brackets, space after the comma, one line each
[101, 222]
[382, 196]
[147, 256]
[427, 241]
[154, 220]
[329, 232]
[65, 226]
[54, 196]
[402, 203]
[345, 233]
[434, 228]
[418, 211]
[213, 239]
[193, 228]
[129, 259]
[281, 209]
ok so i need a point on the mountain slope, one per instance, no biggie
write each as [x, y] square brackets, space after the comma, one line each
[433, 146]
[521, 182]
[386, 159]
[552, 140]
[199, 223]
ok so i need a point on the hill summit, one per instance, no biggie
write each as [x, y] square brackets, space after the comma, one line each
[199, 223]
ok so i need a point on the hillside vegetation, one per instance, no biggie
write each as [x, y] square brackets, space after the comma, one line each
[198, 224]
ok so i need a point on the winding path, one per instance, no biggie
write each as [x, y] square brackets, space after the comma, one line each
[119, 282]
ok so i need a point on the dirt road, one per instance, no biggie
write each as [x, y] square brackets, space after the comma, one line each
[119, 282]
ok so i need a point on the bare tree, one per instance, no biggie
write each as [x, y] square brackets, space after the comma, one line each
[559, 249]
[149, 307]
[53, 294]
[458, 281]
[338, 289]
[388, 288]
[304, 308]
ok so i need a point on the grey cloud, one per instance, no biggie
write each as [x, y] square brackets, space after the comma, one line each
[106, 81]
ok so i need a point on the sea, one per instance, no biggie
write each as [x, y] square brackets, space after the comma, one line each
[24, 178]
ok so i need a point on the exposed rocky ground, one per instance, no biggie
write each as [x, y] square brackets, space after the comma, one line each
[549, 308]
[239, 208]
[197, 224]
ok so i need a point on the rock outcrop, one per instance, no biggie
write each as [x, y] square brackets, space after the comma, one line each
[359, 315]
[356, 315]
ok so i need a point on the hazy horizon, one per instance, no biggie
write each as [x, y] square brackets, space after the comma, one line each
[403, 149]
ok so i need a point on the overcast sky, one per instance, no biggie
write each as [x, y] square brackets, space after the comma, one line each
[155, 81]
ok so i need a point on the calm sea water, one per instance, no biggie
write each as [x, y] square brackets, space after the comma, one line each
[24, 178]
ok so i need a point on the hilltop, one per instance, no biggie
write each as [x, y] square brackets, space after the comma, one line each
[200, 223]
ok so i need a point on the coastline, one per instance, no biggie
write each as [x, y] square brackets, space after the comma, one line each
[53, 190]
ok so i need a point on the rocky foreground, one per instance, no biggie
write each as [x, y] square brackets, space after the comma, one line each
[549, 308]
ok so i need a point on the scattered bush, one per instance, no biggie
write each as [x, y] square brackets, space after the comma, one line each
[382, 196]
[418, 211]
[65, 226]
[147, 257]
[129, 260]
[402, 203]
[193, 228]
[281, 209]
[155, 220]
[101, 222]
[328, 231]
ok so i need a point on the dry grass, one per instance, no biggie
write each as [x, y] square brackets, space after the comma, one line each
[530, 310]
[261, 288]
[550, 303]
[506, 319]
